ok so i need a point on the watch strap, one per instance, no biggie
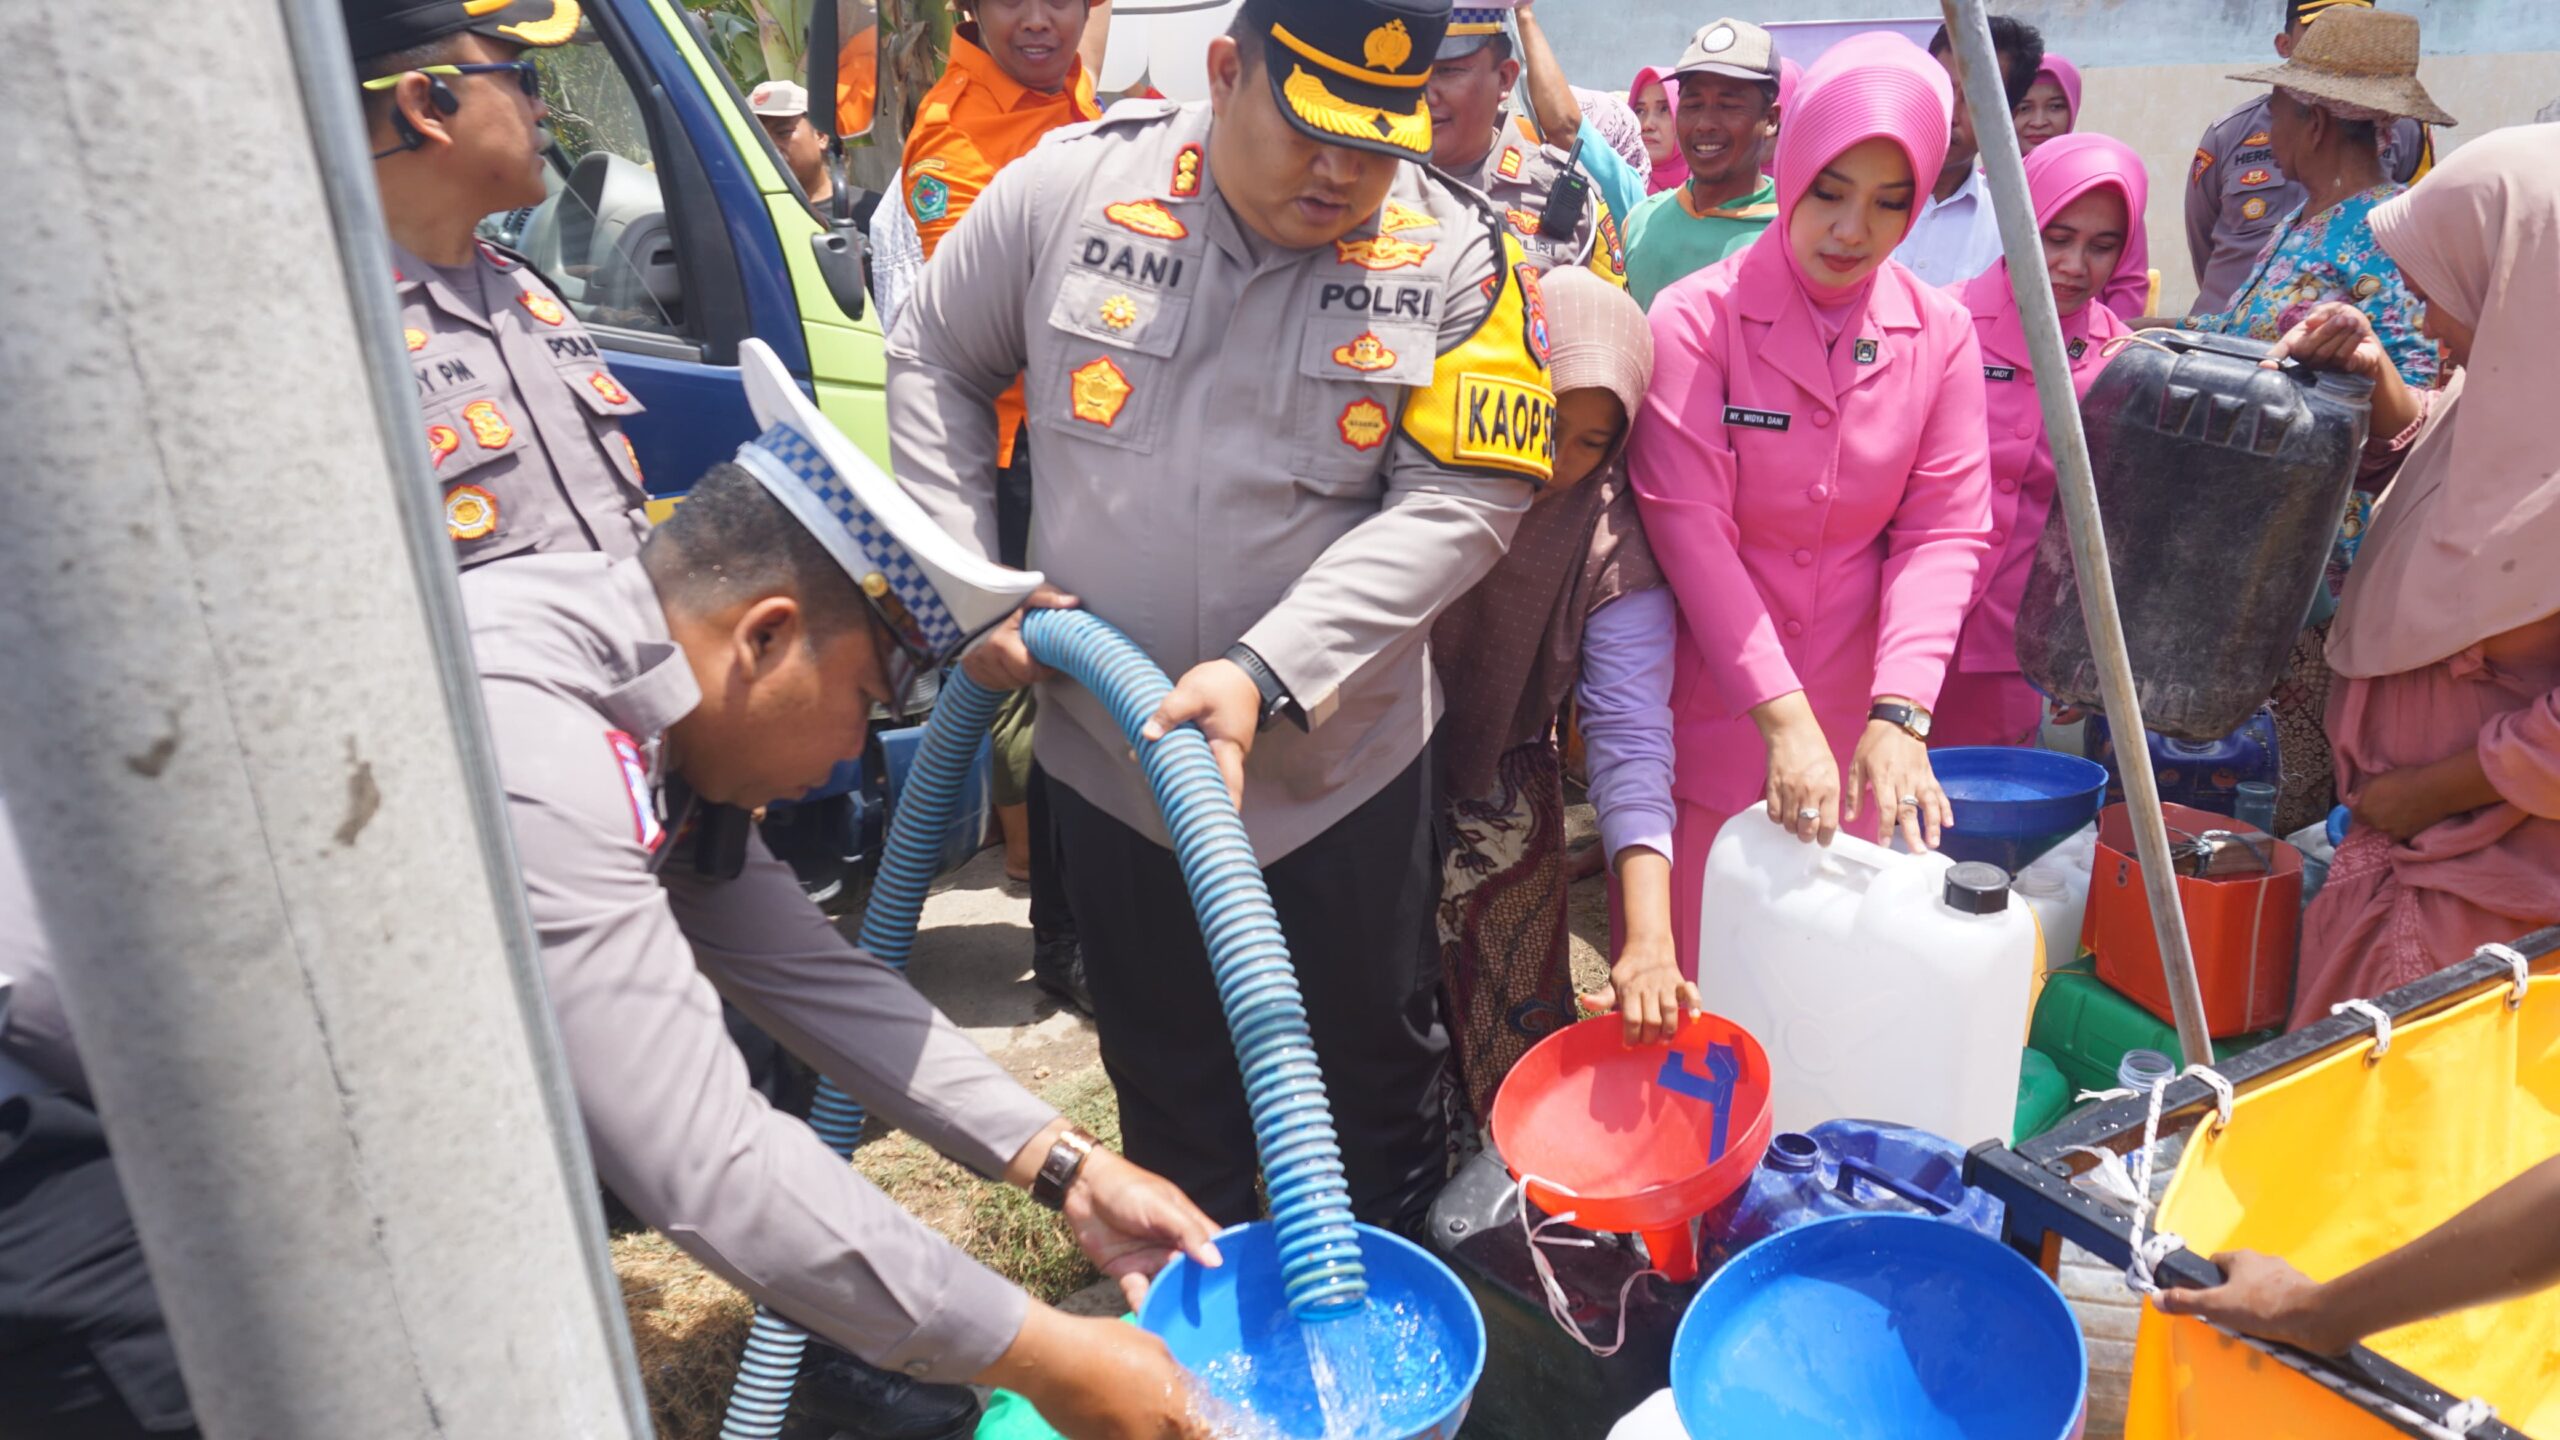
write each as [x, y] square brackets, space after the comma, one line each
[1059, 1169]
[1910, 719]
[1277, 703]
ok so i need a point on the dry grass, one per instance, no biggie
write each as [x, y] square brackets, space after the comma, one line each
[690, 1326]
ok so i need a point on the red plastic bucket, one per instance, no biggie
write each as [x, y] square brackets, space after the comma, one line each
[1642, 1139]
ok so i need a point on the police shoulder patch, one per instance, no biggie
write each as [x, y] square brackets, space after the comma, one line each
[928, 199]
[635, 782]
[1489, 405]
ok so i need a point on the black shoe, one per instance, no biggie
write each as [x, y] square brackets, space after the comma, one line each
[1057, 967]
[842, 1398]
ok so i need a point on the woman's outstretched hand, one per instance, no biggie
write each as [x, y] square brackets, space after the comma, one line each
[1804, 779]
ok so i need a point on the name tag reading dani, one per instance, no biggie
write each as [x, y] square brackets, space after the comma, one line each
[1999, 372]
[1757, 419]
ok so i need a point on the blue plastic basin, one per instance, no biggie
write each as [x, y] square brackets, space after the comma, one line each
[1231, 1326]
[2013, 804]
[1879, 1327]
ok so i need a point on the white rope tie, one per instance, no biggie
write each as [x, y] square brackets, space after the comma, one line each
[2516, 962]
[2469, 1415]
[2223, 1094]
[2149, 1252]
[2381, 1019]
[1559, 1305]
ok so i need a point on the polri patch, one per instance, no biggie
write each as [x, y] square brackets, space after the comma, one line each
[1750, 419]
[470, 513]
[1522, 221]
[1381, 252]
[635, 781]
[1866, 352]
[489, 428]
[1097, 390]
[1363, 424]
[1365, 353]
[603, 383]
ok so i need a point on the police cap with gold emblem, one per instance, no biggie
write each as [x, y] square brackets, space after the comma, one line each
[1351, 72]
[379, 27]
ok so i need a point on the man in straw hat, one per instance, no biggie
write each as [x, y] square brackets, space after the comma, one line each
[639, 706]
[1289, 401]
[2236, 192]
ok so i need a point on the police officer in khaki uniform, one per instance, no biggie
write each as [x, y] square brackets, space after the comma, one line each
[522, 417]
[1477, 137]
[1289, 395]
[733, 661]
[2236, 195]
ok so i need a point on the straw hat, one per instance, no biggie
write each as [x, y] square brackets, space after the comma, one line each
[2364, 59]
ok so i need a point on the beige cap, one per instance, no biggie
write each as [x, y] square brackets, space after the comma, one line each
[778, 97]
[1730, 47]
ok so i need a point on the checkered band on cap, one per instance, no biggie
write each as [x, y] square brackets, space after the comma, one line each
[1474, 20]
[873, 548]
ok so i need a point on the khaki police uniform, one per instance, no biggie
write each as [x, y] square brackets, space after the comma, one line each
[2236, 196]
[1309, 452]
[1517, 174]
[523, 417]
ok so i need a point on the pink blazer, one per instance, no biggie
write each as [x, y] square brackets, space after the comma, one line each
[1822, 519]
[2022, 476]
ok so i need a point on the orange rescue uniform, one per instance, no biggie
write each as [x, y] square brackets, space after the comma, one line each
[857, 81]
[973, 122]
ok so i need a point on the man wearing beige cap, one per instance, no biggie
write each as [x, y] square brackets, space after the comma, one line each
[782, 108]
[2235, 190]
[1724, 111]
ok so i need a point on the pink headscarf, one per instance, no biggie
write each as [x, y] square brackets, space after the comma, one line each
[2461, 549]
[2061, 171]
[1790, 76]
[1868, 86]
[1673, 171]
[2066, 75]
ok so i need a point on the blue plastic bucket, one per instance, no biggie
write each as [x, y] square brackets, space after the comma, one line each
[1880, 1327]
[1231, 1327]
[2013, 804]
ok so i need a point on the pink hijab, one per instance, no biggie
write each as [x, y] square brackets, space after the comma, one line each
[2461, 549]
[1869, 86]
[2067, 76]
[2059, 172]
[1669, 173]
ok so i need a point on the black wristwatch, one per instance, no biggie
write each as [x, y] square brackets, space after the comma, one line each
[1911, 719]
[1065, 1162]
[1277, 703]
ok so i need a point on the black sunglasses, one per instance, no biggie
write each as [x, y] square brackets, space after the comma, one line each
[528, 75]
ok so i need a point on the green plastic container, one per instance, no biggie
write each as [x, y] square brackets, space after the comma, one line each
[2044, 1097]
[1010, 1417]
[2084, 1026]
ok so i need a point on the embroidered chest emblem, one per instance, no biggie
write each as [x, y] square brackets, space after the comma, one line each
[1399, 217]
[603, 383]
[1522, 221]
[1381, 252]
[416, 338]
[1533, 299]
[1365, 353]
[542, 307]
[470, 513]
[1146, 217]
[1119, 312]
[1363, 424]
[2260, 176]
[1098, 391]
[488, 427]
[442, 441]
[1866, 352]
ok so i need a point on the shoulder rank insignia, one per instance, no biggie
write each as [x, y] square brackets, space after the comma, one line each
[1146, 217]
[1186, 172]
[1381, 252]
[1119, 312]
[416, 338]
[542, 307]
[1365, 353]
[2261, 138]
[603, 383]
[2259, 176]
[489, 429]
[1097, 391]
[470, 513]
[1522, 222]
[442, 441]
[1363, 424]
[1399, 217]
[1508, 167]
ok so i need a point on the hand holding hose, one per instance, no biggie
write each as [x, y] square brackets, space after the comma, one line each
[1227, 706]
[1001, 661]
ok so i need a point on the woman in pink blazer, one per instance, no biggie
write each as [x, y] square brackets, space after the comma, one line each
[2088, 192]
[1815, 479]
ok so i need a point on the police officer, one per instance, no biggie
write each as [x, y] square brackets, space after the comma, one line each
[1289, 395]
[2235, 193]
[1476, 137]
[521, 415]
[635, 702]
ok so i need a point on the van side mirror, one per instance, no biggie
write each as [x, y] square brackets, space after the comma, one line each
[844, 63]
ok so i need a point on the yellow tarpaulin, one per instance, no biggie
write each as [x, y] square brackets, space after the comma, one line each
[2341, 1162]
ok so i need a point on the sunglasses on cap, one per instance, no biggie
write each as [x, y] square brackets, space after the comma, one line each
[907, 656]
[528, 75]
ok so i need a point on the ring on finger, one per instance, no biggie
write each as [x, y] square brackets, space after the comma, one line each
[1909, 802]
[1808, 814]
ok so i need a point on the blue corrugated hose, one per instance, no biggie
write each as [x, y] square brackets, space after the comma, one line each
[1292, 1122]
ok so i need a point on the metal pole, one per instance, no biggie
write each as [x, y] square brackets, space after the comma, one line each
[260, 830]
[1969, 25]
